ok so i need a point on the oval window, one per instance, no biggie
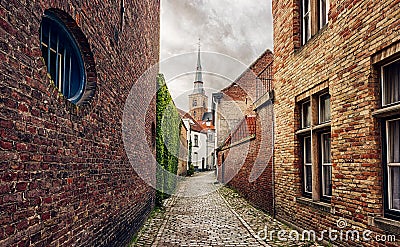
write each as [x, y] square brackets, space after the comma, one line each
[62, 57]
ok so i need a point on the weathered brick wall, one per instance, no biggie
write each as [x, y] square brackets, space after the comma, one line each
[238, 98]
[248, 164]
[65, 177]
[340, 54]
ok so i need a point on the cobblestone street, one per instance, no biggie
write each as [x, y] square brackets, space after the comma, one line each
[203, 213]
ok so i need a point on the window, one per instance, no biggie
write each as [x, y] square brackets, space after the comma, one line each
[314, 16]
[210, 137]
[315, 138]
[390, 93]
[393, 163]
[306, 21]
[306, 115]
[391, 83]
[323, 12]
[307, 165]
[194, 102]
[196, 140]
[196, 157]
[324, 108]
[62, 57]
[326, 164]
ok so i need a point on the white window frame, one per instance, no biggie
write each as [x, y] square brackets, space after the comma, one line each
[304, 16]
[303, 124]
[319, 109]
[324, 164]
[305, 164]
[389, 165]
[383, 83]
[320, 2]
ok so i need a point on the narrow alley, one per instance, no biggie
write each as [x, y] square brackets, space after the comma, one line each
[205, 213]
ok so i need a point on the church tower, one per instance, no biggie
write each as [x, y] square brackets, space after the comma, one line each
[198, 100]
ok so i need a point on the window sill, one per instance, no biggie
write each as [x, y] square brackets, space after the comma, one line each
[388, 225]
[387, 112]
[321, 206]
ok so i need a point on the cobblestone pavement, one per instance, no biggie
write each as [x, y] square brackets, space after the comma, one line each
[206, 214]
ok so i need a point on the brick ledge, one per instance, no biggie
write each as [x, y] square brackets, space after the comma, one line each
[388, 225]
[322, 206]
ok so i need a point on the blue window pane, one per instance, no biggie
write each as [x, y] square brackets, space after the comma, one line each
[62, 57]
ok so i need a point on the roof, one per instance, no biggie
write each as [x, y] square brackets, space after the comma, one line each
[194, 125]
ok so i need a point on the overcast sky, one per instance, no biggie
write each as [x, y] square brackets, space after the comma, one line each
[233, 33]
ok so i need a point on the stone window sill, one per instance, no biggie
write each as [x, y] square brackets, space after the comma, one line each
[388, 225]
[321, 206]
[387, 112]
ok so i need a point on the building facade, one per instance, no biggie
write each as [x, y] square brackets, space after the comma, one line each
[245, 155]
[336, 79]
[66, 70]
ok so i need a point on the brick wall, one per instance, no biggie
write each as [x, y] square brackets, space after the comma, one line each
[248, 145]
[65, 177]
[339, 55]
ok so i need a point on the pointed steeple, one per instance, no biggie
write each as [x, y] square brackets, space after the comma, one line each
[198, 81]
[199, 75]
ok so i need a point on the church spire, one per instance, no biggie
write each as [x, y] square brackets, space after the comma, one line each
[198, 81]
[199, 75]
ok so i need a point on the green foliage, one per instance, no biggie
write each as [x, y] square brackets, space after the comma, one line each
[167, 140]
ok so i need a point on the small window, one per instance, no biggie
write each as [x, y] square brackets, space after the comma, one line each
[326, 164]
[194, 102]
[62, 57]
[393, 163]
[391, 83]
[306, 20]
[307, 165]
[196, 140]
[323, 12]
[324, 108]
[306, 115]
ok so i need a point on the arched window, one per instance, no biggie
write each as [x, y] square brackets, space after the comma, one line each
[195, 102]
[62, 57]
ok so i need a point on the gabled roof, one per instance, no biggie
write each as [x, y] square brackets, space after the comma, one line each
[194, 125]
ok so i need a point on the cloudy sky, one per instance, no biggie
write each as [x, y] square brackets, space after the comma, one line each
[233, 34]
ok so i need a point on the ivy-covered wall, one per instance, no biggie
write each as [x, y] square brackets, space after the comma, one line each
[167, 141]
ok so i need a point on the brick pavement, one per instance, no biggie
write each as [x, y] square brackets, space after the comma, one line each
[206, 214]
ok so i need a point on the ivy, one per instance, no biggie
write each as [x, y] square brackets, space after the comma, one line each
[168, 124]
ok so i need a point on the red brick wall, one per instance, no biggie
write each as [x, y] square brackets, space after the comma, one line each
[248, 162]
[248, 165]
[65, 177]
[340, 54]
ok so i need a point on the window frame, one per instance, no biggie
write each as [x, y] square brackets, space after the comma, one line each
[327, 7]
[305, 164]
[303, 126]
[196, 140]
[71, 47]
[323, 164]
[303, 15]
[388, 165]
[382, 79]
[320, 108]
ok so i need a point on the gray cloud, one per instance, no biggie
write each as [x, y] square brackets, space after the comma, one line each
[241, 29]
